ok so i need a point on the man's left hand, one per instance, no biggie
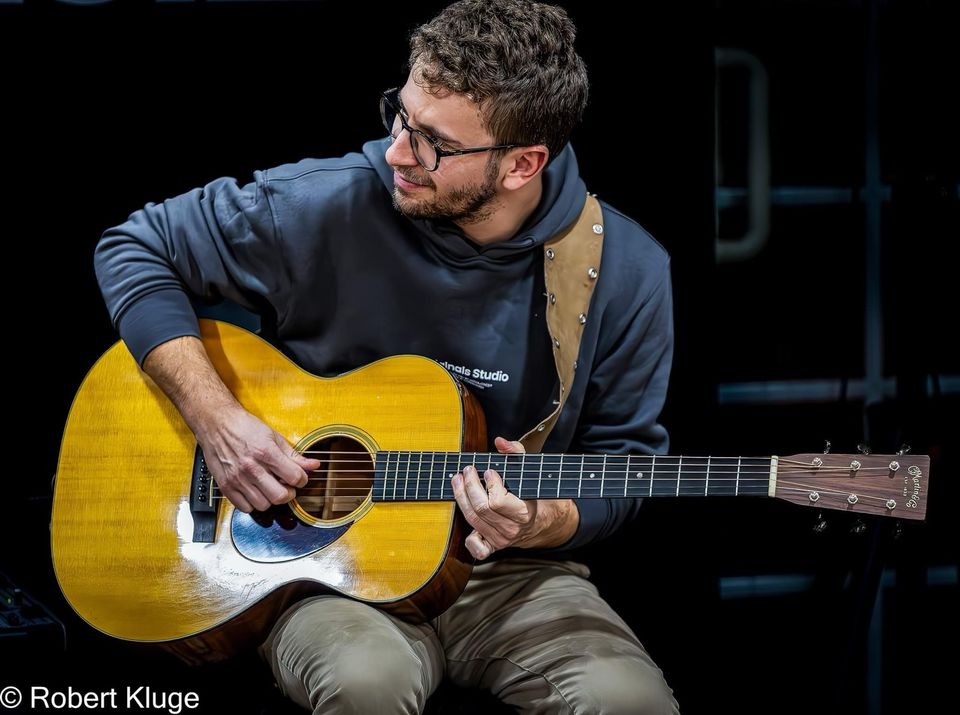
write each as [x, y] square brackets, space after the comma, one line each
[501, 519]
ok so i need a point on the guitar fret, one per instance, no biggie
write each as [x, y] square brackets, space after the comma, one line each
[414, 478]
[603, 474]
[540, 475]
[409, 479]
[559, 476]
[443, 479]
[397, 467]
[583, 467]
[430, 478]
[397, 487]
[386, 470]
[626, 476]
[706, 485]
[653, 468]
[427, 493]
[416, 494]
[396, 477]
[679, 467]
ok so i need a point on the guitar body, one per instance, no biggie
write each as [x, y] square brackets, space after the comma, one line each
[124, 543]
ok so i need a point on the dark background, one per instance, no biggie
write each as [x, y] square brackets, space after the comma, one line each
[743, 604]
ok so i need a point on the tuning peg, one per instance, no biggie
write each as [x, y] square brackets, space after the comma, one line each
[904, 449]
[864, 448]
[826, 446]
[858, 527]
[821, 525]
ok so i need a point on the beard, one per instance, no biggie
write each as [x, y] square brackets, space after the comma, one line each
[468, 204]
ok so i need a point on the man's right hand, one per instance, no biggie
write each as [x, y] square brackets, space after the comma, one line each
[253, 464]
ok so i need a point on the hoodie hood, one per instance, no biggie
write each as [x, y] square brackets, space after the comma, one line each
[564, 194]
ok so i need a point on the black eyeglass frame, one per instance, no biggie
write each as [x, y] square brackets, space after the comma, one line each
[385, 99]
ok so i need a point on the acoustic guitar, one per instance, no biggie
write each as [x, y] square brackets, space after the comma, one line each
[146, 549]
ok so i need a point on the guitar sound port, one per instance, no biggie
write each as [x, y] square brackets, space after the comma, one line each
[342, 483]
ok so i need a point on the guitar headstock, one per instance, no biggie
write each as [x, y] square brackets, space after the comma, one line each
[881, 484]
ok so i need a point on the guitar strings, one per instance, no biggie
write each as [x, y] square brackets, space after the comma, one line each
[716, 472]
[762, 475]
[533, 455]
[617, 460]
[747, 482]
[797, 489]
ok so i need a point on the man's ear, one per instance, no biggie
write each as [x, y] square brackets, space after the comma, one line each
[524, 164]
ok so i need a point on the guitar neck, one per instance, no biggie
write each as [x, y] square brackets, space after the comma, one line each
[425, 476]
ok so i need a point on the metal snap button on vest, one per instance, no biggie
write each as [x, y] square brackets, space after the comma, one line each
[593, 273]
[550, 253]
[583, 319]
[553, 298]
[556, 343]
[597, 228]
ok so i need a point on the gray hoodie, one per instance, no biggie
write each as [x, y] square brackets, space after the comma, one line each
[341, 279]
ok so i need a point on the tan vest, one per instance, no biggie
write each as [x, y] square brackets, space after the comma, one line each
[571, 265]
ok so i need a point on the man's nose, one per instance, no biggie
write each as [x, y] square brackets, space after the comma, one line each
[400, 153]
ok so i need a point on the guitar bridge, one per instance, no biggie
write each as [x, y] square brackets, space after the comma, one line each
[202, 506]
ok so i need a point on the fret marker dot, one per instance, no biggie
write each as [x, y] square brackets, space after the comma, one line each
[592, 475]
[639, 475]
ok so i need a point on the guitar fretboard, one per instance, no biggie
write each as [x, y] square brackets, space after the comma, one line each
[425, 476]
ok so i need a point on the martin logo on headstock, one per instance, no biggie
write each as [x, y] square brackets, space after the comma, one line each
[885, 485]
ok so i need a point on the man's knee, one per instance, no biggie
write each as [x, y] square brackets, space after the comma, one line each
[386, 680]
[615, 685]
[336, 655]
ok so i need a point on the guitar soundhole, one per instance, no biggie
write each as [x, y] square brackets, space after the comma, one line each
[343, 481]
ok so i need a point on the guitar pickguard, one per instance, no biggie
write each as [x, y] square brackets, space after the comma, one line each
[278, 535]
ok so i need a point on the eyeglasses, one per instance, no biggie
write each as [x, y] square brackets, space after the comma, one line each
[427, 149]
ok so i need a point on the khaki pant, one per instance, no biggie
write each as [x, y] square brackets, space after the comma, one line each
[535, 633]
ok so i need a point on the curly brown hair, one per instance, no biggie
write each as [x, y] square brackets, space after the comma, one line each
[512, 57]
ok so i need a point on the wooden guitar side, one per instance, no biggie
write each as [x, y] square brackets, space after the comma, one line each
[122, 530]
